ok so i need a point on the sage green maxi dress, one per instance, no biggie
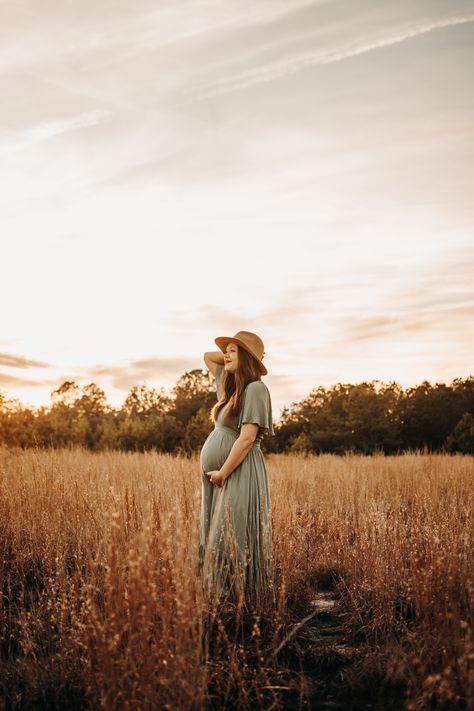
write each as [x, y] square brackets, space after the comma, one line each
[235, 547]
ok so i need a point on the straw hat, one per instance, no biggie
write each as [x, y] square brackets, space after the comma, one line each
[250, 341]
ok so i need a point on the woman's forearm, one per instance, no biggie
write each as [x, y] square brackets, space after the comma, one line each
[215, 357]
[237, 454]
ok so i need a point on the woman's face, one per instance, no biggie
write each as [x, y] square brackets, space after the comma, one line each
[231, 358]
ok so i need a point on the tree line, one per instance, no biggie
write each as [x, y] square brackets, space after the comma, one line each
[363, 418]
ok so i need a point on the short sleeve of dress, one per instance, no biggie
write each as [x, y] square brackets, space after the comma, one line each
[257, 407]
[219, 376]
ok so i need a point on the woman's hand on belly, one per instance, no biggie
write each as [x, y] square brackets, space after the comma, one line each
[216, 477]
[237, 454]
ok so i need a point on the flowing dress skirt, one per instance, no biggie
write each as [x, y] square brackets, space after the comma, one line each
[235, 547]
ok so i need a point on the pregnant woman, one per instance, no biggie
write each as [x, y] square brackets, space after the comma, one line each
[235, 548]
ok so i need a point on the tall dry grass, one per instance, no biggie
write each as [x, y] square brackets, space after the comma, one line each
[102, 607]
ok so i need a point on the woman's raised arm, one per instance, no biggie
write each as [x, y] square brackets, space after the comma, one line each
[213, 358]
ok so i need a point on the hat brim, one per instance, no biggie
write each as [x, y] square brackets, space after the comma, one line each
[222, 342]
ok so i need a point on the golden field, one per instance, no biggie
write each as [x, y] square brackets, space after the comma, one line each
[102, 609]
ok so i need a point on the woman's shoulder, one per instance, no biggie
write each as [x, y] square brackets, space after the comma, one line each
[256, 385]
[256, 382]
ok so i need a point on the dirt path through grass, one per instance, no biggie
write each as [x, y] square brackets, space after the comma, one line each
[321, 650]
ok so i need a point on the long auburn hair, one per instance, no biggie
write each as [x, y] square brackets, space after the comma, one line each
[234, 384]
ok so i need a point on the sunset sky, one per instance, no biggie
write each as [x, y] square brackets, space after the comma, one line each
[175, 171]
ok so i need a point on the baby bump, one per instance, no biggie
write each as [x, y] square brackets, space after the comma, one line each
[216, 449]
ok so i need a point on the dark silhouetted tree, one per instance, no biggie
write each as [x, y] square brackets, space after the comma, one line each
[429, 414]
[67, 393]
[366, 417]
[193, 391]
[143, 401]
[462, 437]
[197, 429]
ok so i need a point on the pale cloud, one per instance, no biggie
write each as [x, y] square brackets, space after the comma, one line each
[73, 123]
[13, 382]
[125, 375]
[277, 70]
[105, 39]
[243, 15]
[17, 361]
[45, 131]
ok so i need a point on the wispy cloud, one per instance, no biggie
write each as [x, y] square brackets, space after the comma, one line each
[440, 299]
[50, 129]
[124, 376]
[203, 317]
[107, 40]
[277, 70]
[416, 316]
[73, 123]
[11, 381]
[250, 16]
[17, 361]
